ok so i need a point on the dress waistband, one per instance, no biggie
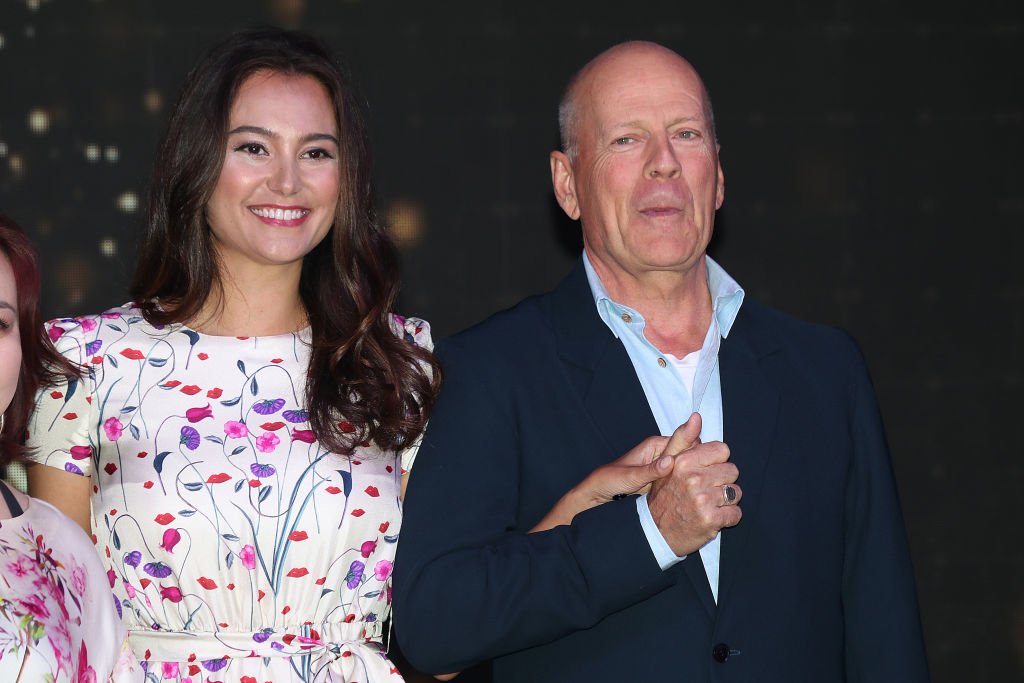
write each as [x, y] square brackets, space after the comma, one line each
[317, 639]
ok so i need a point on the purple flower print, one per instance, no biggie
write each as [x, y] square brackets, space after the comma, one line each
[73, 469]
[113, 428]
[214, 664]
[262, 471]
[296, 416]
[190, 437]
[267, 442]
[261, 636]
[157, 569]
[268, 406]
[382, 570]
[248, 557]
[92, 347]
[133, 558]
[355, 574]
[235, 429]
[194, 415]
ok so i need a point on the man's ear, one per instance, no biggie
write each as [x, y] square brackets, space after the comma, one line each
[564, 183]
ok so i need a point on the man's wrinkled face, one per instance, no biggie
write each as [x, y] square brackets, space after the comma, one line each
[646, 181]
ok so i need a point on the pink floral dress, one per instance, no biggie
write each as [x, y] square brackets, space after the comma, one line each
[239, 550]
[57, 618]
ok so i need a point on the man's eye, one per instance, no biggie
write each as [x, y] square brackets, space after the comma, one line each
[624, 140]
[688, 134]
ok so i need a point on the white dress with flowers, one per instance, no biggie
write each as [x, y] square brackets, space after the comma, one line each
[57, 618]
[238, 549]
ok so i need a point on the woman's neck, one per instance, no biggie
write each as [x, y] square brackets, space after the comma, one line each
[258, 303]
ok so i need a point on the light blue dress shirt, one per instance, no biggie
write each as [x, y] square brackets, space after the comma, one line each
[671, 400]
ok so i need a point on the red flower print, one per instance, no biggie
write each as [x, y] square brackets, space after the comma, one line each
[287, 609]
[247, 679]
[208, 584]
[110, 468]
[372, 491]
[254, 483]
[142, 454]
[276, 360]
[358, 512]
[164, 518]
[56, 394]
[202, 356]
[196, 414]
[193, 669]
[271, 426]
[389, 468]
[216, 392]
[349, 618]
[298, 572]
[321, 581]
[231, 586]
[346, 426]
[96, 360]
[333, 490]
[170, 384]
[261, 596]
[145, 583]
[288, 638]
[383, 526]
[147, 485]
[70, 416]
[218, 478]
[190, 389]
[298, 536]
[133, 354]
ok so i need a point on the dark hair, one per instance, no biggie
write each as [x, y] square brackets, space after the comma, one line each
[382, 384]
[41, 364]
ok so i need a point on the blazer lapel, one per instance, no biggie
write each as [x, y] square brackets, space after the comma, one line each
[750, 404]
[602, 374]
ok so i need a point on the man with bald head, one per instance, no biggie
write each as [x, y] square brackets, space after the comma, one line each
[763, 542]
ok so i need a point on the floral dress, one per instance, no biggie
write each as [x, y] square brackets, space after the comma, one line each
[57, 619]
[238, 549]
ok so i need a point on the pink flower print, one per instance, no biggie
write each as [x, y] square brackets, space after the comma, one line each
[129, 589]
[34, 605]
[81, 452]
[196, 414]
[60, 639]
[110, 315]
[172, 593]
[235, 429]
[88, 324]
[367, 548]
[382, 570]
[85, 673]
[248, 557]
[78, 580]
[304, 435]
[171, 538]
[267, 442]
[170, 670]
[22, 566]
[113, 428]
[111, 576]
[55, 333]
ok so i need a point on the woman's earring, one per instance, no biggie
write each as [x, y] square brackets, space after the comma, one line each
[3, 418]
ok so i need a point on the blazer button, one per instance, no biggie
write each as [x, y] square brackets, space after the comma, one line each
[720, 652]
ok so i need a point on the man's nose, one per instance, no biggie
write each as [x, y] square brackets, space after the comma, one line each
[662, 161]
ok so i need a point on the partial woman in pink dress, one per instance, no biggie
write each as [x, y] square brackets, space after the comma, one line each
[57, 616]
[234, 443]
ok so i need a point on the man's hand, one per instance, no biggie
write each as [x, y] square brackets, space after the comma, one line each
[700, 496]
[633, 473]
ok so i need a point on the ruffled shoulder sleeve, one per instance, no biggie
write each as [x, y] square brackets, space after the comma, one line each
[60, 430]
[416, 331]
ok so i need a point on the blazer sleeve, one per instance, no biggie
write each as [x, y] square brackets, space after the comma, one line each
[470, 584]
[884, 639]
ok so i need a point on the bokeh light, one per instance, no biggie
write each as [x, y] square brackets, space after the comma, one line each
[111, 154]
[108, 247]
[405, 218]
[38, 120]
[128, 202]
[153, 100]
[92, 152]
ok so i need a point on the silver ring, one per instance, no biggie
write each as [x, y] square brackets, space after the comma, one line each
[729, 494]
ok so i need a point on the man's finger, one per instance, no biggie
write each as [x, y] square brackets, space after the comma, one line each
[685, 437]
[731, 494]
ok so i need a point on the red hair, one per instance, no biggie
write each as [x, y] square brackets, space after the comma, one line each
[41, 364]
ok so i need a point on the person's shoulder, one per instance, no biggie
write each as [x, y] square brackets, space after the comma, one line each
[413, 330]
[812, 341]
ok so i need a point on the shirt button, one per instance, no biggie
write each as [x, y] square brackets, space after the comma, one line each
[661, 362]
[627, 318]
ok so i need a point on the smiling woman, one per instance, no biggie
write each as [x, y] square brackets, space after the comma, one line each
[234, 442]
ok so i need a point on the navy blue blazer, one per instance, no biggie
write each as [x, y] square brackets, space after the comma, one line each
[816, 582]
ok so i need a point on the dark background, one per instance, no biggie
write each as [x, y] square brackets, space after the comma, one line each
[872, 154]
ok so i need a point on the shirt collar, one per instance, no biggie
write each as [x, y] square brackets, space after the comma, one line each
[726, 296]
